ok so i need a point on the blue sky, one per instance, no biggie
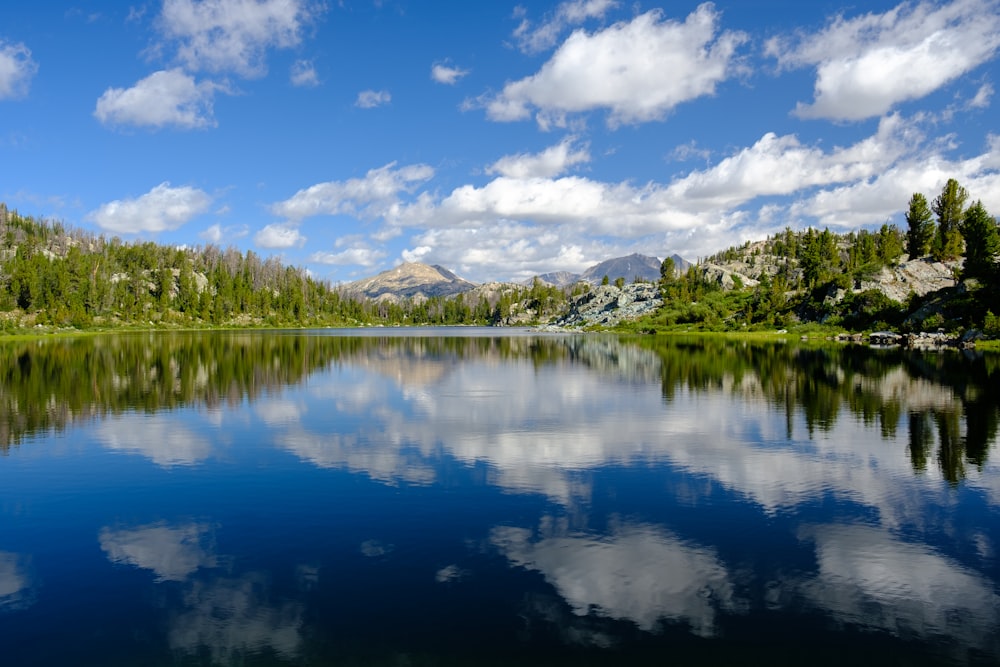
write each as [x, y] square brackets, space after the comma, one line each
[500, 140]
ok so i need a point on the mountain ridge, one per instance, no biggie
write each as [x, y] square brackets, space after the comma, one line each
[415, 280]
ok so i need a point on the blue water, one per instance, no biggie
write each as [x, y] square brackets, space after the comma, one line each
[475, 497]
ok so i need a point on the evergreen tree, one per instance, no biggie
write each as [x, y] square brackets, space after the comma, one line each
[982, 242]
[949, 207]
[920, 227]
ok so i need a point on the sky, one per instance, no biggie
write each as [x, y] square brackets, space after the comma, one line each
[499, 140]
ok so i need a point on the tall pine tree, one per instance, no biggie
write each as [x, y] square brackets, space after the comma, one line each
[949, 207]
[920, 227]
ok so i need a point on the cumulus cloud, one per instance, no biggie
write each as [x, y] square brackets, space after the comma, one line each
[528, 216]
[446, 74]
[303, 74]
[279, 235]
[638, 71]
[868, 64]
[531, 38]
[369, 99]
[217, 233]
[528, 191]
[233, 35]
[162, 208]
[164, 98]
[356, 254]
[782, 165]
[550, 162]
[16, 70]
[374, 195]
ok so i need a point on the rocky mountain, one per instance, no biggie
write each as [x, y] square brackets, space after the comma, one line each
[557, 278]
[628, 268]
[409, 280]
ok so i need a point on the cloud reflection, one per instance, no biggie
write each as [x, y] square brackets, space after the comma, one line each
[15, 582]
[639, 573]
[231, 618]
[172, 552]
[867, 576]
[157, 437]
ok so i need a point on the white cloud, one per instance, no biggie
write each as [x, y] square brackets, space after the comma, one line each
[514, 223]
[446, 74]
[217, 233]
[866, 65]
[547, 164]
[279, 235]
[16, 70]
[982, 98]
[374, 195]
[357, 254]
[162, 208]
[303, 74]
[638, 71]
[172, 552]
[782, 165]
[369, 99]
[534, 39]
[164, 98]
[233, 35]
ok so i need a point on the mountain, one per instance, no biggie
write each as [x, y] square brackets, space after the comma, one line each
[409, 280]
[557, 278]
[628, 268]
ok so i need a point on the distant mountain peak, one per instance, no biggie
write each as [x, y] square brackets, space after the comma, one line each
[409, 280]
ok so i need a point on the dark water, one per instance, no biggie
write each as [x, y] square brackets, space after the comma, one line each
[458, 498]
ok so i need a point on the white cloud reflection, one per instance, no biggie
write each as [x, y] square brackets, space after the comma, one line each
[541, 429]
[235, 617]
[157, 437]
[172, 552]
[15, 582]
[861, 580]
[639, 573]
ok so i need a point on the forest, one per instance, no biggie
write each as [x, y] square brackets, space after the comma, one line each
[56, 277]
[53, 276]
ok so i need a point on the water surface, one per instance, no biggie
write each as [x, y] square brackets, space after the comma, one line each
[430, 497]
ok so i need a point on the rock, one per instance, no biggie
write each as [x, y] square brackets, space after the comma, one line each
[607, 305]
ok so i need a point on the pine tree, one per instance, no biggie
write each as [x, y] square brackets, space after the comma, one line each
[949, 207]
[982, 242]
[920, 227]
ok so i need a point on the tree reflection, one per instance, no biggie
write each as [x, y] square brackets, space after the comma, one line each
[949, 404]
[953, 396]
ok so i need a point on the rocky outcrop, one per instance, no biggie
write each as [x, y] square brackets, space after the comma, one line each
[916, 276]
[607, 305]
[725, 278]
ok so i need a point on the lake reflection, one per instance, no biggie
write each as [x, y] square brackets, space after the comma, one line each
[473, 496]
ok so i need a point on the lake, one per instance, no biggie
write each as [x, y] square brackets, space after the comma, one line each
[491, 497]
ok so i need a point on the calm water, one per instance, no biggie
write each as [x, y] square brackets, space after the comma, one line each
[463, 497]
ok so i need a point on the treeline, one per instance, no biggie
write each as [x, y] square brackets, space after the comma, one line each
[814, 276]
[56, 276]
